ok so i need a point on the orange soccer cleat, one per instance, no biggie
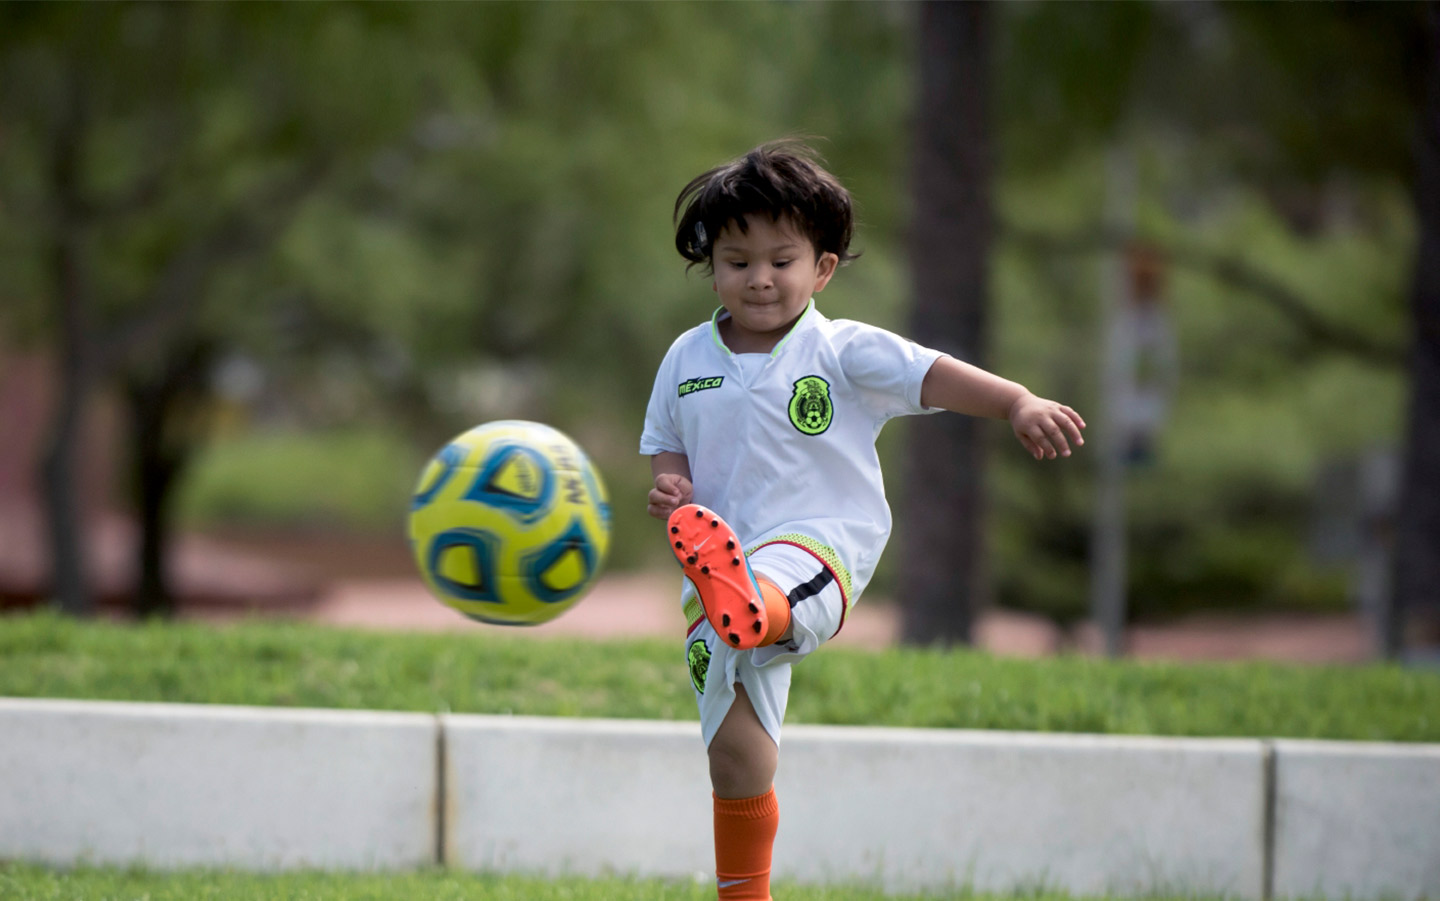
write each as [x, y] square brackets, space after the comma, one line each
[744, 611]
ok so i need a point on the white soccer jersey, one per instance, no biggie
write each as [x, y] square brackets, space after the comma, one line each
[783, 444]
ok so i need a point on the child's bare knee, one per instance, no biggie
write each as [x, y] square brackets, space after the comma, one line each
[743, 756]
[741, 768]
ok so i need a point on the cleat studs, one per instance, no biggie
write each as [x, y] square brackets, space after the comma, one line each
[699, 514]
[690, 559]
[756, 627]
[753, 608]
[725, 619]
[735, 562]
[680, 544]
[729, 545]
[705, 570]
[735, 639]
[674, 530]
[714, 523]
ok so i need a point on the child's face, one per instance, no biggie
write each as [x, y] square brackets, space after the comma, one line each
[765, 277]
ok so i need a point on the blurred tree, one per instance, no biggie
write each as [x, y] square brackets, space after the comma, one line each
[162, 152]
[1417, 540]
[943, 579]
[417, 215]
[375, 203]
[1220, 103]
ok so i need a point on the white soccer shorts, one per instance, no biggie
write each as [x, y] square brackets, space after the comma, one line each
[817, 610]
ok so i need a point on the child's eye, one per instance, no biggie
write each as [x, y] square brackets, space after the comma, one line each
[781, 264]
[737, 264]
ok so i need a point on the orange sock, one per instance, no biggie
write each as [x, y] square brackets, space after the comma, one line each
[777, 610]
[744, 838]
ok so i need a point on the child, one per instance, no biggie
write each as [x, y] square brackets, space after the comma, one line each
[761, 432]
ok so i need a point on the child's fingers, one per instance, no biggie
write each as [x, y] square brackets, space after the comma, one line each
[1072, 423]
[1047, 429]
[674, 486]
[1051, 439]
[1030, 446]
[660, 503]
[670, 491]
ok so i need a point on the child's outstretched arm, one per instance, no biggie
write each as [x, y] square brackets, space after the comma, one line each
[672, 484]
[1043, 426]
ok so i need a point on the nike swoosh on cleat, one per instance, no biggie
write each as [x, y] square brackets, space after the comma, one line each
[730, 883]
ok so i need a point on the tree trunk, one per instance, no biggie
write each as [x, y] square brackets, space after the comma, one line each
[163, 411]
[59, 482]
[1417, 544]
[59, 470]
[155, 473]
[943, 579]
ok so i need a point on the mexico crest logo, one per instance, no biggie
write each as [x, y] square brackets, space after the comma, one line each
[810, 406]
[698, 656]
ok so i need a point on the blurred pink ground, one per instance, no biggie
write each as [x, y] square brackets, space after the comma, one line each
[369, 583]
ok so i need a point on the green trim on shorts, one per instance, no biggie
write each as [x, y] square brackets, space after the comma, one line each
[694, 612]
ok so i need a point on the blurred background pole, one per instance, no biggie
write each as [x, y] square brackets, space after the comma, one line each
[1107, 537]
[1378, 485]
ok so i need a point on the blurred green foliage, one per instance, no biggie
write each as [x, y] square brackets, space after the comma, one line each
[306, 480]
[429, 215]
[1223, 516]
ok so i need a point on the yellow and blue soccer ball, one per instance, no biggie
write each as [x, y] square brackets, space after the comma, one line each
[510, 523]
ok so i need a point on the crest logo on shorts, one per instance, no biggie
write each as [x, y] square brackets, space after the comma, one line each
[698, 656]
[810, 406]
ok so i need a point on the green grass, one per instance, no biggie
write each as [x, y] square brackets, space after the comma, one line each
[24, 882]
[490, 670]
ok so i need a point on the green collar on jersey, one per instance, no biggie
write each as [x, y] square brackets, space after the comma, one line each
[715, 330]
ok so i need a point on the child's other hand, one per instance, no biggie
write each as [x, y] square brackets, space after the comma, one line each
[1043, 427]
[671, 490]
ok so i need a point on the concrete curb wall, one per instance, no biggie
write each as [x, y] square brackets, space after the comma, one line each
[556, 796]
[1357, 820]
[916, 809]
[261, 788]
[175, 785]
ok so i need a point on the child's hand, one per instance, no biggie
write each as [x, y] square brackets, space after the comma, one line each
[671, 490]
[1043, 426]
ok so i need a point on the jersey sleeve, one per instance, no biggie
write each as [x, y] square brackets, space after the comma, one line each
[661, 432]
[886, 369]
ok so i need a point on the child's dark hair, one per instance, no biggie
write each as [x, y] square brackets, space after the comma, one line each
[781, 178]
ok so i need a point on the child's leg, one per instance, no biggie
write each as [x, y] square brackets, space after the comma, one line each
[743, 759]
[742, 696]
[743, 756]
[741, 709]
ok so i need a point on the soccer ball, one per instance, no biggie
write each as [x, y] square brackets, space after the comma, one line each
[510, 523]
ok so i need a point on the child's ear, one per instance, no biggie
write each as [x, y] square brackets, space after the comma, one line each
[825, 268]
